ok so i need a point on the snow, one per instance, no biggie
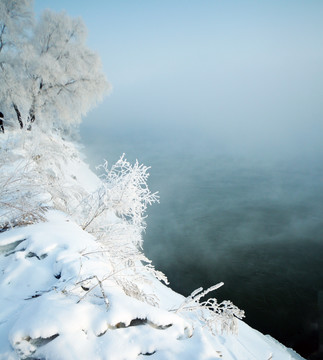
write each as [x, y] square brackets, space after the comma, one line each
[66, 295]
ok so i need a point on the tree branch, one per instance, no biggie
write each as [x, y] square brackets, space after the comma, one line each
[2, 42]
[18, 115]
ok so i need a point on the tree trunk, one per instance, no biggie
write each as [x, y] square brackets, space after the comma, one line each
[32, 116]
[18, 115]
[1, 123]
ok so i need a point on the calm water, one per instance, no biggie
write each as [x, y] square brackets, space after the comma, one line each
[255, 225]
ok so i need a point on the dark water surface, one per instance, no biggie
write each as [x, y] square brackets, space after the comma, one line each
[255, 225]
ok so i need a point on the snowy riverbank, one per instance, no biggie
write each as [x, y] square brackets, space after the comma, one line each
[75, 291]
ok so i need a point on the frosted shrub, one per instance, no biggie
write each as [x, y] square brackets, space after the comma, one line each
[21, 201]
[124, 191]
[33, 176]
[217, 317]
[127, 190]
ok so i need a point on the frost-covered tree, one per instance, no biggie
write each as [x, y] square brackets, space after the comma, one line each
[65, 77]
[16, 18]
[16, 21]
[48, 74]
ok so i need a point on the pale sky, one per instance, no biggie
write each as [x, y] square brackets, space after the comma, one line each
[242, 75]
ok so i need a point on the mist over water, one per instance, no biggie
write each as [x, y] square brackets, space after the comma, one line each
[254, 222]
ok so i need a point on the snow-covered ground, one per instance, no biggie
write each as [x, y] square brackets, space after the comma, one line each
[74, 283]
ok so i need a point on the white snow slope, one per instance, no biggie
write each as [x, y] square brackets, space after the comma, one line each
[70, 294]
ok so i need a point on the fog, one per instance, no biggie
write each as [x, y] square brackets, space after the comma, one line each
[240, 78]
